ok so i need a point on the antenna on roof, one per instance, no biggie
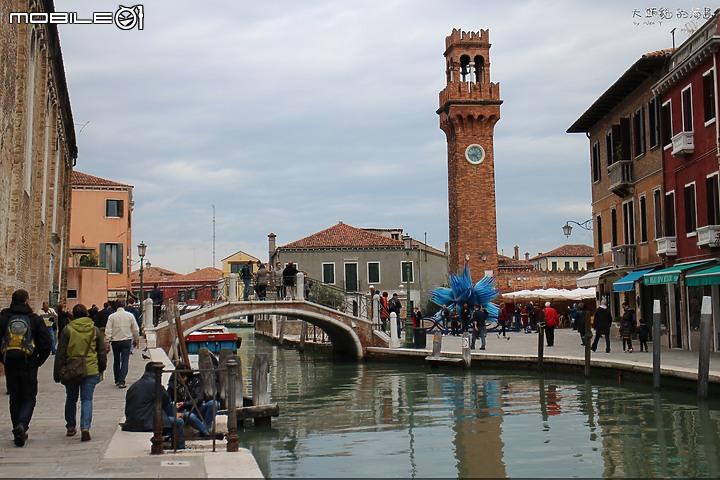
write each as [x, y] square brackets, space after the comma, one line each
[672, 32]
[213, 207]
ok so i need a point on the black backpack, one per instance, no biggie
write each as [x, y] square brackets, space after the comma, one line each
[17, 340]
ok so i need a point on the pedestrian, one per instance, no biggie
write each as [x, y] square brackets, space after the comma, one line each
[643, 333]
[551, 321]
[289, 279]
[308, 282]
[384, 311]
[24, 347]
[277, 278]
[261, 281]
[455, 322]
[395, 306]
[627, 327]
[185, 389]
[246, 274]
[101, 318]
[532, 317]
[580, 322]
[417, 318]
[81, 338]
[131, 308]
[140, 408]
[49, 316]
[157, 296]
[122, 335]
[573, 316]
[503, 319]
[602, 323]
[64, 318]
[445, 319]
[524, 316]
[479, 322]
[465, 315]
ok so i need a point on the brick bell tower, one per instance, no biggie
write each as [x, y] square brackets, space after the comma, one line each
[469, 109]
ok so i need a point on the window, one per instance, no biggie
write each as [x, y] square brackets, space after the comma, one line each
[613, 227]
[687, 111]
[113, 208]
[404, 268]
[192, 294]
[567, 265]
[713, 200]
[71, 293]
[596, 162]
[622, 139]
[638, 121]
[609, 149]
[553, 266]
[629, 222]
[328, 273]
[657, 213]
[576, 266]
[182, 296]
[666, 124]
[373, 269]
[643, 220]
[670, 214]
[690, 218]
[598, 229]
[709, 96]
[111, 257]
[653, 123]
[235, 267]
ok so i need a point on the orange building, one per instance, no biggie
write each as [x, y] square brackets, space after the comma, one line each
[100, 239]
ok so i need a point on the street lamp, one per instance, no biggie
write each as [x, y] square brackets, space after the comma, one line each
[567, 228]
[142, 250]
[407, 243]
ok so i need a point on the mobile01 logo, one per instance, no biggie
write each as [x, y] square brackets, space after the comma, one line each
[124, 18]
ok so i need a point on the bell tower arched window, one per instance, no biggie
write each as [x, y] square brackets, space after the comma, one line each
[479, 69]
[465, 68]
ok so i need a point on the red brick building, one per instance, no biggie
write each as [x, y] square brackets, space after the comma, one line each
[196, 288]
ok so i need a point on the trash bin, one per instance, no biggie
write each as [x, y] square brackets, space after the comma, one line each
[419, 337]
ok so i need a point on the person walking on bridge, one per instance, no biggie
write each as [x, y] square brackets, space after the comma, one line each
[289, 279]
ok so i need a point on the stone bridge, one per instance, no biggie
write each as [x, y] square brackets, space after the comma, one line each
[348, 334]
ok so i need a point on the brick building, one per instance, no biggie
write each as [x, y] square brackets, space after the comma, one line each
[37, 153]
[196, 288]
[469, 110]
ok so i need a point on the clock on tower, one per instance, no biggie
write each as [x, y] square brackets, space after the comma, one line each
[469, 109]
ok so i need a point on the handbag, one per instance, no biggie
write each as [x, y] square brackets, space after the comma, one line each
[75, 370]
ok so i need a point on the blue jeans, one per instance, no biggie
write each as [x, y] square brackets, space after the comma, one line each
[207, 412]
[121, 357]
[481, 333]
[247, 290]
[51, 331]
[173, 426]
[84, 390]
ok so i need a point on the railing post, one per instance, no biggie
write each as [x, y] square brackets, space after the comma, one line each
[232, 288]
[232, 372]
[157, 438]
[394, 339]
[300, 286]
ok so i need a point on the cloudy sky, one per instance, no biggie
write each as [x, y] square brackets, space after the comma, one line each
[289, 116]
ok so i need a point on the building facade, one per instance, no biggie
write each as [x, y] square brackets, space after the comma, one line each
[197, 288]
[37, 154]
[469, 110]
[567, 258]
[101, 233]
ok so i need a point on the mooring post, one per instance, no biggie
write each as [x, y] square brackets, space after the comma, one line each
[466, 352]
[157, 438]
[437, 344]
[303, 334]
[704, 355]
[260, 391]
[656, 343]
[541, 345]
[587, 340]
[281, 335]
[232, 372]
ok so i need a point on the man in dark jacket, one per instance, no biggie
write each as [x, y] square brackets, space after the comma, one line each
[140, 406]
[185, 389]
[395, 306]
[102, 316]
[601, 324]
[21, 370]
[289, 277]
[479, 323]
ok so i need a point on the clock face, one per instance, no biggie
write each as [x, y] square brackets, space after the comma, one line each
[475, 154]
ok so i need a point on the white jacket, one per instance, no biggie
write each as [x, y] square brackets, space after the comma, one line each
[121, 326]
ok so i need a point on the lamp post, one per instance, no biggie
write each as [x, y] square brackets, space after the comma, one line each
[567, 228]
[142, 250]
[407, 243]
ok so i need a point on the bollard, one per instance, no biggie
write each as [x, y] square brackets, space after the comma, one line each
[232, 288]
[394, 339]
[437, 344]
[656, 344]
[299, 287]
[704, 355]
[587, 339]
[157, 438]
[232, 372]
[260, 390]
[466, 352]
[541, 345]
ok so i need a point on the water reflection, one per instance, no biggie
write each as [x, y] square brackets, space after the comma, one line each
[381, 420]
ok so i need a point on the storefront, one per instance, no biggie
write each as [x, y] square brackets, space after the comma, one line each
[631, 289]
[704, 283]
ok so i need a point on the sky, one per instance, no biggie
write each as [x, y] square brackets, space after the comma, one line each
[288, 116]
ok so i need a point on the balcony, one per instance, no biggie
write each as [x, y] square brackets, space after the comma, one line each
[667, 246]
[708, 236]
[621, 176]
[683, 143]
[624, 256]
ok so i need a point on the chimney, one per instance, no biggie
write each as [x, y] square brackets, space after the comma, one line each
[516, 255]
[271, 246]
[527, 256]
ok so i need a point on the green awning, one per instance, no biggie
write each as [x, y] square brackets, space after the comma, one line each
[627, 283]
[709, 276]
[671, 274]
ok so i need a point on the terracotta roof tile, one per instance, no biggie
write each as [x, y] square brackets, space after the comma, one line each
[152, 274]
[207, 273]
[571, 250]
[505, 261]
[158, 275]
[84, 180]
[343, 235]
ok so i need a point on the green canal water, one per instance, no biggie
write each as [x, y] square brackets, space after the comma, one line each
[400, 420]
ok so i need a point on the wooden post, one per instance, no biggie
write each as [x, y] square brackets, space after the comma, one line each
[587, 340]
[656, 343]
[232, 437]
[303, 334]
[704, 355]
[541, 345]
[223, 358]
[157, 438]
[281, 335]
[437, 344]
[207, 375]
[466, 352]
[181, 337]
[260, 393]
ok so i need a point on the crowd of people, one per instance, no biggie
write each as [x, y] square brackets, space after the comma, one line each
[259, 277]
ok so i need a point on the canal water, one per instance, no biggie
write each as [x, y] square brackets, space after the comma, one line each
[400, 420]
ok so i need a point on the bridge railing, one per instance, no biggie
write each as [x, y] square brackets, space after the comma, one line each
[357, 304]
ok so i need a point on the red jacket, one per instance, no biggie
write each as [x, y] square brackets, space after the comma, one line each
[551, 317]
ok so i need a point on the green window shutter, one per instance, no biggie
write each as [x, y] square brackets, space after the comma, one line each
[102, 255]
[119, 259]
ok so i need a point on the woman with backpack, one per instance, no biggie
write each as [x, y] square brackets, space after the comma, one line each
[80, 339]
